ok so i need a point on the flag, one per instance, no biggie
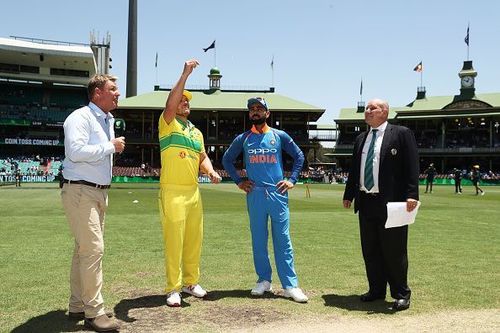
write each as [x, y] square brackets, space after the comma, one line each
[361, 88]
[156, 60]
[466, 39]
[272, 63]
[419, 68]
[212, 46]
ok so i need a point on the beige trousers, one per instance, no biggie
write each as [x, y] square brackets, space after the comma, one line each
[85, 209]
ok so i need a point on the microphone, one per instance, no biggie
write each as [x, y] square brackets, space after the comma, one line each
[119, 127]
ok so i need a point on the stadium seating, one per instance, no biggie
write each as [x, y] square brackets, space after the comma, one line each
[31, 166]
[135, 172]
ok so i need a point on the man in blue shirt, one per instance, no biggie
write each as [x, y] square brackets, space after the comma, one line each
[89, 144]
[267, 195]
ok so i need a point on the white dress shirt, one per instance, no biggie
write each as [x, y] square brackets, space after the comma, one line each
[89, 152]
[379, 136]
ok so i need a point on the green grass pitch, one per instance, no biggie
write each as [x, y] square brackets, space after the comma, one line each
[453, 252]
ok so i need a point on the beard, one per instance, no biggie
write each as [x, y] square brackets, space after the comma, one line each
[258, 121]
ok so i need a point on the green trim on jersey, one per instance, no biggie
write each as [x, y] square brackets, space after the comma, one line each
[180, 140]
[187, 124]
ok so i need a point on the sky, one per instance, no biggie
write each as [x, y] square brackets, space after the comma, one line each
[321, 48]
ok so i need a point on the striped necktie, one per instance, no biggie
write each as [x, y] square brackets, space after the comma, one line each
[369, 162]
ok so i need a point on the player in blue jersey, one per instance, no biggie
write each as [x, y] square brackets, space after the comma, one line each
[267, 196]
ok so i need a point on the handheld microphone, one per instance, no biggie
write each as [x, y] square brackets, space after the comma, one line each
[119, 127]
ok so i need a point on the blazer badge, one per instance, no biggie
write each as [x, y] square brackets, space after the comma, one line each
[394, 151]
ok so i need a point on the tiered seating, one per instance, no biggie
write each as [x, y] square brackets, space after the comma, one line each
[38, 103]
[19, 94]
[45, 114]
[31, 166]
[135, 172]
[155, 172]
[68, 98]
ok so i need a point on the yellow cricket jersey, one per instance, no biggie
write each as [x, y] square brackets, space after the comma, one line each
[181, 145]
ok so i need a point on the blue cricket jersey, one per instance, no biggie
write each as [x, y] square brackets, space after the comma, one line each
[262, 156]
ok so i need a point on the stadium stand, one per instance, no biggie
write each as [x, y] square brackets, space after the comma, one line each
[454, 131]
[37, 93]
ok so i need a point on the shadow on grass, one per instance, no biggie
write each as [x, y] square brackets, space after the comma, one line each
[216, 295]
[353, 303]
[53, 321]
[123, 308]
[151, 301]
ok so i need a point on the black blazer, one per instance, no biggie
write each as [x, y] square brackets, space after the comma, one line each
[399, 166]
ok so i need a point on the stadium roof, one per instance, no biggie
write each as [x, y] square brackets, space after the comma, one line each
[436, 107]
[54, 49]
[45, 61]
[440, 102]
[221, 101]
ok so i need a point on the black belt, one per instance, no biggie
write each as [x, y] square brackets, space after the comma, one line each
[369, 194]
[84, 182]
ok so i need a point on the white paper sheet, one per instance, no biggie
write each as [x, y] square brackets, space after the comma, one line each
[397, 215]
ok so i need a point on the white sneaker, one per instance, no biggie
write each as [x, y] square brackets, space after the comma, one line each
[482, 193]
[261, 288]
[296, 294]
[174, 299]
[196, 290]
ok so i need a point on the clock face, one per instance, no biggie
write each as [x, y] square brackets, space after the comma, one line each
[467, 81]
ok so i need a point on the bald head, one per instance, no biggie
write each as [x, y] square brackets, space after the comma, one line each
[376, 112]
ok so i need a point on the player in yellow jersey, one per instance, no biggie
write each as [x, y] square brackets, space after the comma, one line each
[182, 156]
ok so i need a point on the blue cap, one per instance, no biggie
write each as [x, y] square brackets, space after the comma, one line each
[258, 100]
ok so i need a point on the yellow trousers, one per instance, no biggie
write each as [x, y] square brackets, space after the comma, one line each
[181, 212]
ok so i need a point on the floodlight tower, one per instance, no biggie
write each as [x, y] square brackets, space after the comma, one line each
[132, 49]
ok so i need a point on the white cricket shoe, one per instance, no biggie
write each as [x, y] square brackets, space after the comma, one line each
[174, 299]
[196, 290]
[261, 288]
[296, 294]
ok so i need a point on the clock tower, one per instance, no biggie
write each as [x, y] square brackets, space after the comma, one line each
[467, 79]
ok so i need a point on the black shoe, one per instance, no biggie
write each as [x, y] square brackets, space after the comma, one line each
[401, 304]
[370, 297]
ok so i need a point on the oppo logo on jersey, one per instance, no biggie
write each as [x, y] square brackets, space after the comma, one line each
[262, 155]
[262, 151]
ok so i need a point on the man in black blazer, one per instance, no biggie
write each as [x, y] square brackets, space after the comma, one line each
[390, 174]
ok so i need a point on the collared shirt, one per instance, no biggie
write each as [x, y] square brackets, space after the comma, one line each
[262, 156]
[181, 145]
[379, 136]
[89, 152]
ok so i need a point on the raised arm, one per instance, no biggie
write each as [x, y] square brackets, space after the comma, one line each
[175, 96]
